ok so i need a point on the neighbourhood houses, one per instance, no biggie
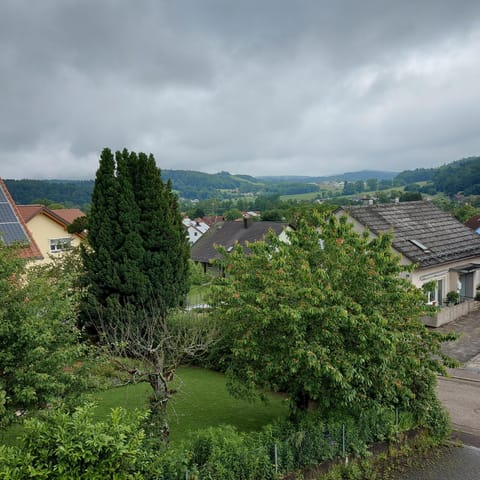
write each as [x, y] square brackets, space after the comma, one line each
[446, 253]
[49, 228]
[227, 234]
[474, 223]
[41, 232]
[13, 229]
[195, 229]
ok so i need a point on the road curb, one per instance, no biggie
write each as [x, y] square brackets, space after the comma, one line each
[457, 377]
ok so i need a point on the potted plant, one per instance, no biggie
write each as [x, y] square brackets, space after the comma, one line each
[453, 298]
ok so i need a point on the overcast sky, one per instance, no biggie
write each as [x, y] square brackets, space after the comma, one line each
[259, 87]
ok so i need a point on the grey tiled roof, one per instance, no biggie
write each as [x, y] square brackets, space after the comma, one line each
[422, 232]
[227, 234]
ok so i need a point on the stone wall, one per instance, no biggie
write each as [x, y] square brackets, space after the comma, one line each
[450, 313]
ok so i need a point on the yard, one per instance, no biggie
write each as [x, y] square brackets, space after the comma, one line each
[202, 401]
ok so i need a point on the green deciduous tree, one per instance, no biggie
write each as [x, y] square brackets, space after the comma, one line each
[232, 214]
[41, 359]
[138, 252]
[326, 318]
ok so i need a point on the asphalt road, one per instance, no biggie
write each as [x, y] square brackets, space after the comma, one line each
[460, 393]
[462, 399]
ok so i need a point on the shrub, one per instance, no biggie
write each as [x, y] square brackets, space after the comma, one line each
[453, 298]
[224, 453]
[62, 445]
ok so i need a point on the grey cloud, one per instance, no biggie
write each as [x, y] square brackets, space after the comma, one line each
[255, 87]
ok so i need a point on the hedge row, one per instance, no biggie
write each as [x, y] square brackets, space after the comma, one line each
[71, 446]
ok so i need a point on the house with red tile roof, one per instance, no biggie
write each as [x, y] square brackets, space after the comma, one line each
[49, 228]
[474, 223]
[13, 229]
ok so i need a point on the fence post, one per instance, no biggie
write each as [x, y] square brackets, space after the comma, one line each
[275, 452]
[343, 439]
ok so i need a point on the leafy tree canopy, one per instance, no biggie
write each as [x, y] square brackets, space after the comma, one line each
[40, 356]
[328, 318]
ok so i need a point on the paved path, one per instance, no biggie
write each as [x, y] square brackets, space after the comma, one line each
[462, 398]
[460, 393]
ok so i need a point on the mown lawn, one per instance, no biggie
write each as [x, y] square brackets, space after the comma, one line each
[202, 400]
[197, 294]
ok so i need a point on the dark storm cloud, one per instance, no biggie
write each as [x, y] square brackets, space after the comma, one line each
[253, 87]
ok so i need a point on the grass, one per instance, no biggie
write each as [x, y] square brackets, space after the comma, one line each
[299, 196]
[202, 401]
[197, 293]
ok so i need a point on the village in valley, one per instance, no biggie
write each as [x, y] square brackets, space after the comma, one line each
[406, 261]
[239, 240]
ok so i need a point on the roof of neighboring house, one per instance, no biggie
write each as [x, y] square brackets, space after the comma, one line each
[69, 214]
[212, 219]
[473, 223]
[29, 211]
[197, 224]
[422, 232]
[227, 234]
[63, 217]
[12, 226]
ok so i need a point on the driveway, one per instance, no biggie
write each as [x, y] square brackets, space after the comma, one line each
[460, 393]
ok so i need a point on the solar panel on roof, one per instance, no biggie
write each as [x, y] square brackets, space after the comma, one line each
[7, 214]
[13, 232]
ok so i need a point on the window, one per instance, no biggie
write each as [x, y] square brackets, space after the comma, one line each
[434, 292]
[60, 244]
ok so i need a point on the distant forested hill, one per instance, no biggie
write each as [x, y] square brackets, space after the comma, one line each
[462, 175]
[342, 177]
[188, 184]
[459, 176]
[74, 193]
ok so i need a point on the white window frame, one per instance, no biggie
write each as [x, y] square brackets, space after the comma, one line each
[58, 245]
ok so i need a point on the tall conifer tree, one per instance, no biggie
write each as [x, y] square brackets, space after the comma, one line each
[164, 241]
[138, 253]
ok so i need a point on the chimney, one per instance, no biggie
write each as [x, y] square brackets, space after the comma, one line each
[245, 222]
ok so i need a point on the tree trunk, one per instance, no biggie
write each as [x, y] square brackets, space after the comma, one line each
[158, 407]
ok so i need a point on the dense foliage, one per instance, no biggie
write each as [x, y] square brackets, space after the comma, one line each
[71, 193]
[460, 176]
[73, 446]
[65, 445]
[326, 318]
[455, 177]
[40, 357]
[138, 252]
